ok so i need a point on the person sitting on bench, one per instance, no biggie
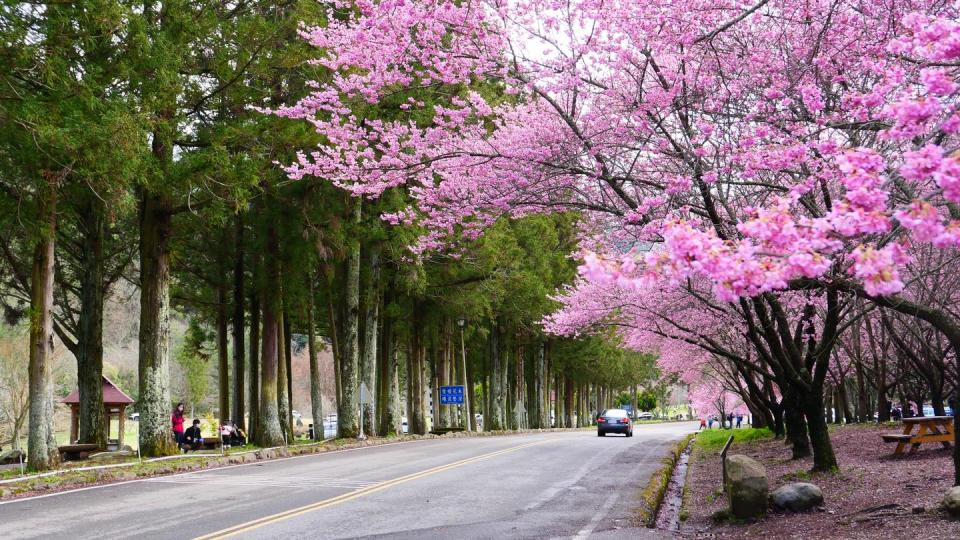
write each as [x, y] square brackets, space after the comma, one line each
[239, 437]
[192, 438]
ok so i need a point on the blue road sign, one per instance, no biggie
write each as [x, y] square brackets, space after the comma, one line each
[451, 395]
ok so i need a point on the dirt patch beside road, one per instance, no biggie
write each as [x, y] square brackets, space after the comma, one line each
[874, 495]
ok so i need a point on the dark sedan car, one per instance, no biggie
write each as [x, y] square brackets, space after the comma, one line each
[614, 421]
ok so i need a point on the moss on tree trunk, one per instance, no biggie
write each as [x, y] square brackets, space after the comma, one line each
[41, 443]
[156, 438]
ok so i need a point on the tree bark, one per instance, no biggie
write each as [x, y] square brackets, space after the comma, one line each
[796, 426]
[823, 456]
[42, 451]
[90, 322]
[223, 355]
[254, 388]
[239, 367]
[540, 416]
[348, 425]
[337, 351]
[270, 431]
[316, 403]
[283, 375]
[416, 420]
[388, 399]
[496, 420]
[156, 217]
[371, 311]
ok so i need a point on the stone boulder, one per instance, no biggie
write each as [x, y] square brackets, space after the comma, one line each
[747, 487]
[11, 456]
[797, 496]
[951, 503]
[108, 457]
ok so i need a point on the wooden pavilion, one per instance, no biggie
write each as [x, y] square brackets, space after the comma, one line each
[114, 404]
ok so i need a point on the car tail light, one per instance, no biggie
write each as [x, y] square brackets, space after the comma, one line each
[600, 420]
[625, 421]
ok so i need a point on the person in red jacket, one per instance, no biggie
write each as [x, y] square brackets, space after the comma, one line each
[176, 420]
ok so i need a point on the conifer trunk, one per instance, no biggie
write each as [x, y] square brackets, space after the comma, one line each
[348, 425]
[316, 403]
[416, 419]
[371, 312]
[223, 355]
[239, 367]
[254, 382]
[156, 217]
[539, 413]
[42, 451]
[388, 398]
[497, 390]
[283, 398]
[270, 432]
[90, 322]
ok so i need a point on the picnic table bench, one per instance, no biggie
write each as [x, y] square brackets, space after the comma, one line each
[929, 429]
[209, 443]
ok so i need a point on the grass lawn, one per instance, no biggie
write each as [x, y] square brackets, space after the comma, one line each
[714, 439]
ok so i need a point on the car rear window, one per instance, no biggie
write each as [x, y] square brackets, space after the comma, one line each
[616, 413]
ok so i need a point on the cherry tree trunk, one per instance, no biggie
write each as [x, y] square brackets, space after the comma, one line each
[823, 456]
[156, 217]
[89, 349]
[42, 451]
[863, 399]
[796, 426]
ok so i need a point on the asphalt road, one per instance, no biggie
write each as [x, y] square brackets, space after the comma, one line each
[544, 485]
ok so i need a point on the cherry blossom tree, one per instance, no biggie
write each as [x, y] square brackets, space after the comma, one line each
[791, 156]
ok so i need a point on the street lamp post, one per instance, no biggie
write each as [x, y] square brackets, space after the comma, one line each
[461, 322]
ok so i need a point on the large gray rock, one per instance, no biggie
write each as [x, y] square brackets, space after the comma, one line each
[951, 503]
[11, 456]
[107, 457]
[747, 487]
[797, 497]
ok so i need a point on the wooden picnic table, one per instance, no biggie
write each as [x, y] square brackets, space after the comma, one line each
[929, 429]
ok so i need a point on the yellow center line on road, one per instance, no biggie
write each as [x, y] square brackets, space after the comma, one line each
[275, 518]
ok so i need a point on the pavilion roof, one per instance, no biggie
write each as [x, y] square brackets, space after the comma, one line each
[111, 394]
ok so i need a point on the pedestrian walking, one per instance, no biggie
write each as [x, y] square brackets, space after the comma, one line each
[711, 423]
[730, 420]
[739, 420]
[703, 424]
